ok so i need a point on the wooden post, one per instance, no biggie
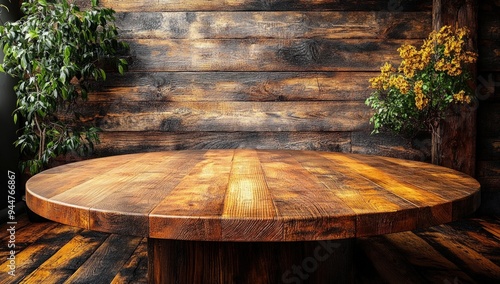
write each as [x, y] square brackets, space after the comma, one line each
[458, 132]
[198, 262]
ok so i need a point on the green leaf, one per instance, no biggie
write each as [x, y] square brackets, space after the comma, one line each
[103, 74]
[24, 62]
[67, 53]
[64, 93]
[62, 76]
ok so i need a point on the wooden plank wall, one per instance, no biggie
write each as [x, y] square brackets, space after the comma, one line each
[488, 142]
[252, 73]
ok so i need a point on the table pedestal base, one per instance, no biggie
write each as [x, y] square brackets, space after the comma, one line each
[174, 261]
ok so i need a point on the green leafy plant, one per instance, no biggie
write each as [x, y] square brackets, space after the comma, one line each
[55, 51]
[420, 92]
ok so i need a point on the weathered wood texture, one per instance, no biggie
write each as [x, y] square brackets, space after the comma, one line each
[251, 195]
[460, 252]
[263, 5]
[252, 74]
[488, 91]
[466, 251]
[221, 215]
[48, 252]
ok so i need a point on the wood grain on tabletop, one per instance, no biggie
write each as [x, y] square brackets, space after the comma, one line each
[259, 195]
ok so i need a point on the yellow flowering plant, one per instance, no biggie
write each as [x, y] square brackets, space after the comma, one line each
[418, 94]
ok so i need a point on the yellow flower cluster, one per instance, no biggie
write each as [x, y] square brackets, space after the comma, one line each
[445, 46]
[382, 81]
[421, 101]
[400, 83]
[426, 82]
[442, 52]
[453, 53]
[413, 59]
[452, 68]
[461, 97]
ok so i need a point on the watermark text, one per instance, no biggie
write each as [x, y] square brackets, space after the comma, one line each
[11, 214]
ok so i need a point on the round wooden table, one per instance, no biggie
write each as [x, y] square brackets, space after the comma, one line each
[251, 216]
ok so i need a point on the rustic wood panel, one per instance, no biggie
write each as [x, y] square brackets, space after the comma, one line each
[263, 55]
[229, 116]
[113, 143]
[227, 74]
[386, 144]
[300, 24]
[233, 86]
[264, 5]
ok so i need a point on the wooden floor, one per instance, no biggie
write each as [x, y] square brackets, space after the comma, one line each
[466, 251]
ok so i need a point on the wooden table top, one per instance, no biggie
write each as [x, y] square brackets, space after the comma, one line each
[251, 195]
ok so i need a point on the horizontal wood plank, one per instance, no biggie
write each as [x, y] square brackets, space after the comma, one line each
[263, 5]
[233, 86]
[263, 54]
[224, 116]
[303, 24]
[386, 144]
[113, 143]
